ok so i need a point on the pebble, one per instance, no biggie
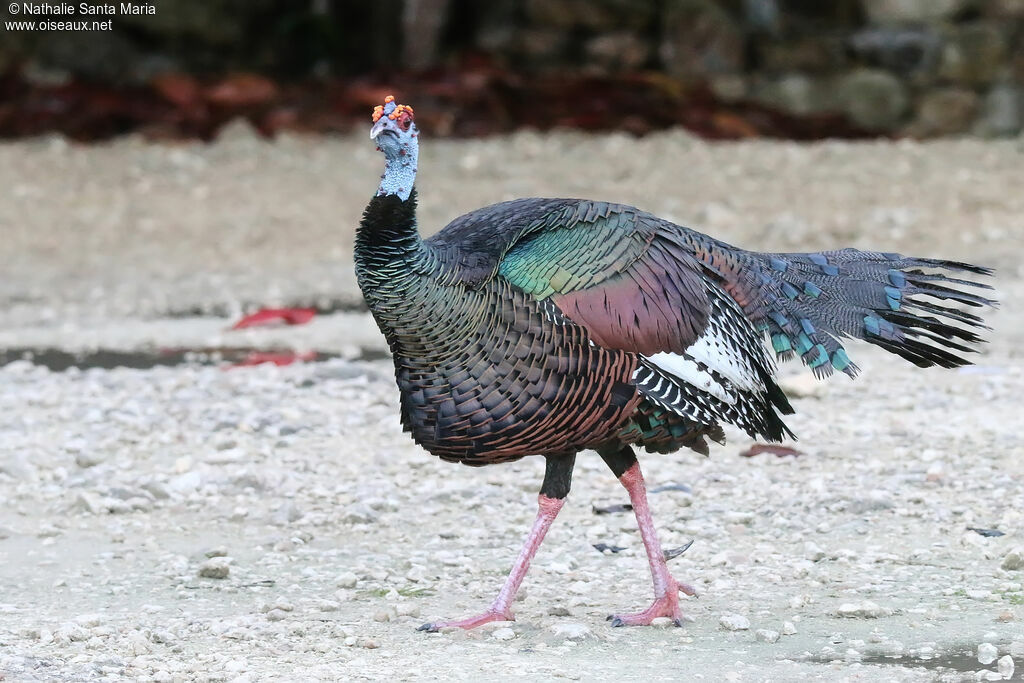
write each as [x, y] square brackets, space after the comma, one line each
[734, 622]
[767, 635]
[407, 609]
[571, 630]
[1013, 560]
[86, 459]
[215, 568]
[504, 633]
[862, 610]
[346, 580]
[788, 628]
[662, 622]
[1005, 667]
[987, 653]
[813, 552]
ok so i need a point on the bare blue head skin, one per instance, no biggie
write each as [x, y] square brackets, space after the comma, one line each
[398, 138]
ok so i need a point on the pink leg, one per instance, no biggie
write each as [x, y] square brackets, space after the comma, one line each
[500, 609]
[666, 588]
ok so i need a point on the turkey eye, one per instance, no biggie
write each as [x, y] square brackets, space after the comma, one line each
[405, 123]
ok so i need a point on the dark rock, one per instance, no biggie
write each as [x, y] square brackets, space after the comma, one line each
[796, 94]
[973, 54]
[699, 39]
[907, 11]
[597, 15]
[1001, 111]
[618, 51]
[544, 45]
[811, 54]
[904, 50]
[1004, 9]
[947, 111]
[873, 99]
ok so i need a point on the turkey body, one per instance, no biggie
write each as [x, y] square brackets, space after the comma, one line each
[487, 373]
[547, 326]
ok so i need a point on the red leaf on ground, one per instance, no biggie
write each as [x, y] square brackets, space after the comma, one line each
[270, 316]
[241, 90]
[773, 449]
[275, 357]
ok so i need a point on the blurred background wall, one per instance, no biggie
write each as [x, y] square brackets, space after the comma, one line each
[726, 68]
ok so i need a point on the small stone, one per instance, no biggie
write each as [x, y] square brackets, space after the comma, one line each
[661, 622]
[863, 610]
[1014, 560]
[382, 615]
[71, 633]
[86, 459]
[788, 628]
[503, 633]
[1005, 667]
[558, 611]
[215, 568]
[571, 630]
[369, 644]
[347, 580]
[766, 635]
[987, 653]
[407, 609]
[734, 622]
[282, 604]
[276, 615]
[219, 551]
[813, 552]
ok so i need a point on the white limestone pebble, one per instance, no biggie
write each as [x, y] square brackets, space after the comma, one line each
[862, 610]
[788, 628]
[215, 568]
[1005, 667]
[734, 622]
[571, 630]
[987, 653]
[1013, 560]
[347, 580]
[766, 635]
[503, 633]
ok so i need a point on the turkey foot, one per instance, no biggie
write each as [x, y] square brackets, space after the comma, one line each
[665, 606]
[666, 588]
[493, 614]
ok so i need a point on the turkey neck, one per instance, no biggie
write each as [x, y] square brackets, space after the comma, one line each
[389, 255]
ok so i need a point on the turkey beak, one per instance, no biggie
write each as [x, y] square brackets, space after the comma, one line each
[379, 127]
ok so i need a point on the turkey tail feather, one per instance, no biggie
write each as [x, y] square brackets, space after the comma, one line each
[908, 306]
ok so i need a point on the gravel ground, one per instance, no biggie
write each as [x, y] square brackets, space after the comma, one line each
[191, 522]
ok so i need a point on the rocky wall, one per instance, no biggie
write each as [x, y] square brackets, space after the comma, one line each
[916, 67]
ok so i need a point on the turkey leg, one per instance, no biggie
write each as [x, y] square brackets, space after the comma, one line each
[557, 481]
[666, 588]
